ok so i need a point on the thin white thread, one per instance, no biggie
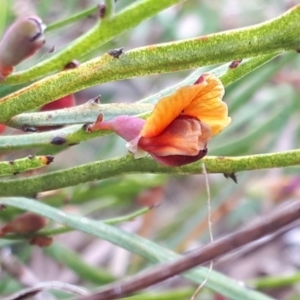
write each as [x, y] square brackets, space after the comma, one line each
[211, 237]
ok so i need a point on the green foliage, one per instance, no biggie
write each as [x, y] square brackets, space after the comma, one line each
[91, 177]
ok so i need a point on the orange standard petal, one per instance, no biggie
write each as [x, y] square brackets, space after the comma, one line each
[202, 100]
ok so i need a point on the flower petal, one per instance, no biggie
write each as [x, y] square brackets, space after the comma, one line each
[63, 102]
[179, 160]
[126, 127]
[184, 136]
[170, 107]
[208, 106]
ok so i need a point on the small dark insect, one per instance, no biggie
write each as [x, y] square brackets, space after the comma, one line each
[235, 64]
[26, 128]
[50, 159]
[116, 53]
[72, 64]
[58, 141]
[102, 10]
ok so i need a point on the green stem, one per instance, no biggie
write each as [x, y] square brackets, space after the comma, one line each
[225, 74]
[103, 32]
[109, 8]
[279, 34]
[126, 165]
[61, 230]
[276, 282]
[22, 165]
[70, 259]
[175, 294]
[60, 138]
[4, 12]
[89, 111]
[112, 221]
[30, 98]
[70, 20]
[80, 114]
[169, 57]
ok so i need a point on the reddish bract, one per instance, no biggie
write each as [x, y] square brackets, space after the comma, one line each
[64, 102]
[2, 128]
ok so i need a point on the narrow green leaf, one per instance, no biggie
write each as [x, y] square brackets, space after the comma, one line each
[73, 261]
[133, 243]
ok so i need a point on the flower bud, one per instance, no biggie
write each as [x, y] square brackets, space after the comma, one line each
[41, 241]
[24, 224]
[22, 39]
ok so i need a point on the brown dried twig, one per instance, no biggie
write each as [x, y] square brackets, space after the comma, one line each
[263, 226]
[51, 285]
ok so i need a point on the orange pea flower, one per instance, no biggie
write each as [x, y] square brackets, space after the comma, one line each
[180, 125]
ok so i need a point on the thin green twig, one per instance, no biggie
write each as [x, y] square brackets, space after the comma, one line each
[126, 165]
[170, 57]
[72, 19]
[16, 166]
[276, 281]
[80, 114]
[277, 35]
[173, 294]
[109, 8]
[101, 33]
[64, 229]
[89, 111]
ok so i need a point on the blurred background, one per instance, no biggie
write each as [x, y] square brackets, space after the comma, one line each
[264, 107]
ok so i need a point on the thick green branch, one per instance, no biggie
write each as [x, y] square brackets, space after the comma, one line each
[66, 83]
[127, 165]
[89, 111]
[280, 34]
[64, 229]
[216, 48]
[103, 32]
[66, 136]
